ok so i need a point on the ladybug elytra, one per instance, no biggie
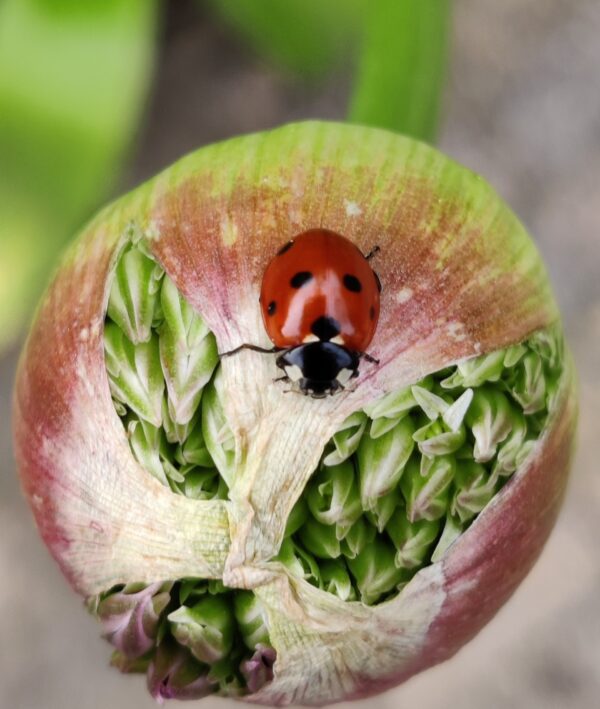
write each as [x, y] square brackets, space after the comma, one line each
[320, 305]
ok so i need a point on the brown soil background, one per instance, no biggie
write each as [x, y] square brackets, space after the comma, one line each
[522, 107]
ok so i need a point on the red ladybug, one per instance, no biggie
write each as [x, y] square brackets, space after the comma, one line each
[320, 305]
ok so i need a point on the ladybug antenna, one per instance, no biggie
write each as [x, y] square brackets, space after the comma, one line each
[368, 357]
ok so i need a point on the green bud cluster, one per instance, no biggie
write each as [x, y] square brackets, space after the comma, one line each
[191, 638]
[395, 487]
[161, 360]
[403, 479]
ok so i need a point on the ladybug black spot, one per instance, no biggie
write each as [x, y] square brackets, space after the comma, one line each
[377, 281]
[272, 307]
[372, 313]
[352, 283]
[285, 247]
[300, 278]
[325, 328]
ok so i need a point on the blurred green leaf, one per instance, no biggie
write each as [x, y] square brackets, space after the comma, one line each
[73, 79]
[401, 70]
[304, 36]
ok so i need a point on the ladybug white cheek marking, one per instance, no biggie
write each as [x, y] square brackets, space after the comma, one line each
[338, 340]
[311, 338]
[294, 373]
[344, 376]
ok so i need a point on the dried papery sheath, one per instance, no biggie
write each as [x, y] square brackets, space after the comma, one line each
[236, 538]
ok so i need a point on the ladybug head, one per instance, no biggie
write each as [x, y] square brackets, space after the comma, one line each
[319, 368]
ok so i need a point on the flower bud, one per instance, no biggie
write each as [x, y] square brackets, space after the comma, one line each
[188, 353]
[228, 676]
[336, 579]
[203, 484]
[426, 489]
[529, 386]
[451, 532]
[490, 419]
[393, 406]
[206, 628]
[300, 562]
[252, 620]
[383, 510]
[320, 539]
[381, 461]
[375, 571]
[258, 670]
[174, 674]
[130, 617]
[132, 301]
[333, 499]
[359, 537]
[475, 487]
[218, 438]
[146, 443]
[346, 440]
[413, 540]
[297, 518]
[235, 537]
[136, 379]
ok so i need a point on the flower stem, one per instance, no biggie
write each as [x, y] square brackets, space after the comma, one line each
[402, 66]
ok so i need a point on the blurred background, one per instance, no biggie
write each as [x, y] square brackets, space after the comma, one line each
[98, 96]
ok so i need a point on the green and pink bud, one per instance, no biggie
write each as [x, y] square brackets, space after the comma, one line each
[228, 532]
[130, 617]
[174, 674]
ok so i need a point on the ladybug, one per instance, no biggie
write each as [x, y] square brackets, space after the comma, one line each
[320, 305]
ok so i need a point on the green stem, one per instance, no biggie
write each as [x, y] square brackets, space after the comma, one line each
[402, 66]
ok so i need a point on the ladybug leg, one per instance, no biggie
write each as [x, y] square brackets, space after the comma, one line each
[254, 348]
[372, 252]
[368, 357]
[292, 391]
